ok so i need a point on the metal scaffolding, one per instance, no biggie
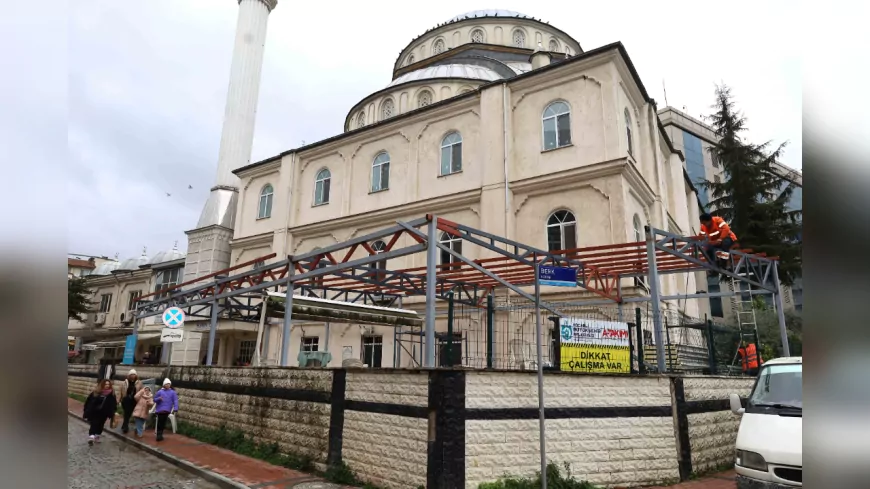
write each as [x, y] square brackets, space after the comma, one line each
[353, 271]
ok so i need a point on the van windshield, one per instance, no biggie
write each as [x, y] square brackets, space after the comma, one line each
[779, 386]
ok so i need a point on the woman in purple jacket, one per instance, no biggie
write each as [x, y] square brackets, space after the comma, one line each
[166, 402]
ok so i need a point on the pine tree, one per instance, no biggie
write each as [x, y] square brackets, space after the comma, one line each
[78, 303]
[752, 197]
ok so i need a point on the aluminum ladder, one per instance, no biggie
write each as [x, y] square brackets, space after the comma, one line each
[744, 310]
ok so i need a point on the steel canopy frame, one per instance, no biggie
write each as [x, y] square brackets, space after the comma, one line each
[333, 270]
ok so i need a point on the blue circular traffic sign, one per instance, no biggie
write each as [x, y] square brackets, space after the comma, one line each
[173, 317]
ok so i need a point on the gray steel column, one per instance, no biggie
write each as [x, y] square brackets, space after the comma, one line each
[288, 316]
[431, 270]
[267, 332]
[655, 300]
[780, 314]
[540, 353]
[212, 330]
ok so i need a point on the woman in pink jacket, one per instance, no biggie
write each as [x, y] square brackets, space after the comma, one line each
[144, 401]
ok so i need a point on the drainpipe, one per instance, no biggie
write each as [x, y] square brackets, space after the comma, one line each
[507, 200]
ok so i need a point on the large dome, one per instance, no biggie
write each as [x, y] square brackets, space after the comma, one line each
[475, 14]
[167, 255]
[106, 268]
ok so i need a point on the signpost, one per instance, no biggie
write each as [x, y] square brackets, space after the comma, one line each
[171, 335]
[129, 350]
[591, 345]
[557, 276]
[173, 317]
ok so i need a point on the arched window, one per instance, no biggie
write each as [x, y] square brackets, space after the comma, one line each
[519, 38]
[265, 207]
[557, 125]
[451, 153]
[411, 60]
[361, 119]
[438, 47]
[628, 130]
[381, 172]
[424, 99]
[379, 247]
[477, 35]
[387, 109]
[554, 46]
[454, 243]
[561, 231]
[321, 187]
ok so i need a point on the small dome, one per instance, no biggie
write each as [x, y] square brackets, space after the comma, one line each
[165, 256]
[489, 13]
[106, 268]
[134, 263]
[448, 71]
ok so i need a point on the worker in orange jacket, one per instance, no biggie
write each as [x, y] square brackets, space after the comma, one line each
[750, 359]
[719, 238]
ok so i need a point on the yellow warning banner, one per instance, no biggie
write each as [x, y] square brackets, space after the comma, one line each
[581, 357]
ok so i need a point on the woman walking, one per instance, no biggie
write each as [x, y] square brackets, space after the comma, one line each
[100, 406]
[144, 401]
[126, 396]
[166, 401]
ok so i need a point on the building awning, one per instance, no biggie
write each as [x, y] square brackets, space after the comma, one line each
[106, 344]
[329, 311]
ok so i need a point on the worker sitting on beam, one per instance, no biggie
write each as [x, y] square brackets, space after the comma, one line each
[719, 237]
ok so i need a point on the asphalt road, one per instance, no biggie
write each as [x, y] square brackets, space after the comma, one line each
[114, 464]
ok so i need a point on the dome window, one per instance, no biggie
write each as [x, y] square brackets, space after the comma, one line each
[361, 120]
[554, 46]
[424, 99]
[388, 109]
[477, 35]
[438, 47]
[519, 39]
[411, 60]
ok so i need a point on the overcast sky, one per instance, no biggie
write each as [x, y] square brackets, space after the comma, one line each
[148, 81]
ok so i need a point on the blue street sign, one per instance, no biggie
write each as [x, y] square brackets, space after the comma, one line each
[557, 276]
[173, 317]
[129, 350]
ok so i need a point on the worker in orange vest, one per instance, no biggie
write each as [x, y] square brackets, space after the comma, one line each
[719, 238]
[750, 359]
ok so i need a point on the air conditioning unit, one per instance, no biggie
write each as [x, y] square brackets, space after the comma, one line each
[127, 317]
[100, 318]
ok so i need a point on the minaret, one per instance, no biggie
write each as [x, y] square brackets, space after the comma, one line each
[208, 247]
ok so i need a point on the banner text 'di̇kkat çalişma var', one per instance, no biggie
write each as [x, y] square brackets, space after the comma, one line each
[589, 345]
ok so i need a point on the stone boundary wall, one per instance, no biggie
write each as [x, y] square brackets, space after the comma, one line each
[612, 430]
[712, 427]
[387, 448]
[401, 429]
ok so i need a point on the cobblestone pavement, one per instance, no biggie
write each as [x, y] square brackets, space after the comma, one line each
[114, 464]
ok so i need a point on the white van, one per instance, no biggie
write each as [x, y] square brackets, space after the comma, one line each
[768, 448]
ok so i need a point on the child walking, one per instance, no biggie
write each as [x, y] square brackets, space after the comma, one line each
[144, 401]
[100, 405]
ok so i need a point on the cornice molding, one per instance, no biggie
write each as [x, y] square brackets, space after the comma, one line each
[443, 117]
[389, 215]
[638, 183]
[265, 168]
[262, 238]
[555, 76]
[567, 177]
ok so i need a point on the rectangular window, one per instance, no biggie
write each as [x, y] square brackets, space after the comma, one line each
[447, 258]
[168, 278]
[105, 302]
[131, 303]
[564, 126]
[381, 177]
[372, 351]
[246, 352]
[310, 343]
[550, 133]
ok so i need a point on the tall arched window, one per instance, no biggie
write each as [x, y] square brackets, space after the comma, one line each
[438, 47]
[381, 172]
[628, 130]
[321, 187]
[379, 247]
[411, 60]
[265, 208]
[557, 125]
[519, 38]
[454, 243]
[477, 35]
[561, 231]
[424, 99]
[360, 120]
[554, 46]
[451, 153]
[387, 109]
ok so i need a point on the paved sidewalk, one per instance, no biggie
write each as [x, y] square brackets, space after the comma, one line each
[722, 480]
[233, 470]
